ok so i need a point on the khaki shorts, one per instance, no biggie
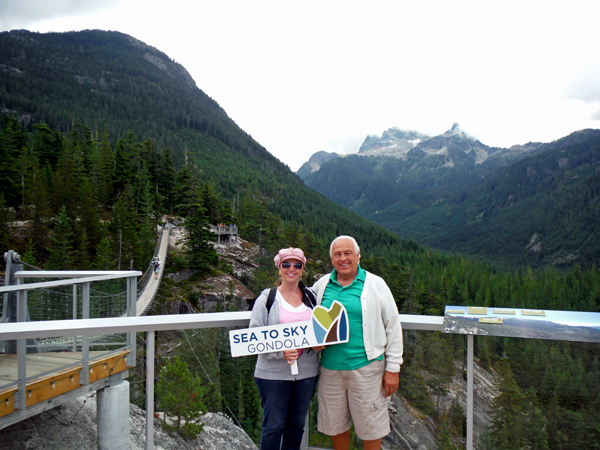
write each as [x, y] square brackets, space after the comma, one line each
[353, 395]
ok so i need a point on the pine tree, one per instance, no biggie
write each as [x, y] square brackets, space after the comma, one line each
[105, 259]
[251, 421]
[12, 143]
[4, 234]
[200, 349]
[180, 394]
[166, 180]
[507, 409]
[146, 221]
[517, 422]
[445, 442]
[104, 170]
[123, 171]
[201, 254]
[62, 254]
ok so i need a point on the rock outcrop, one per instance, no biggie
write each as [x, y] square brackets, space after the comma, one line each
[72, 426]
[413, 430]
[238, 254]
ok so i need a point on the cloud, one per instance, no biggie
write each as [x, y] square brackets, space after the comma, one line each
[17, 14]
[586, 86]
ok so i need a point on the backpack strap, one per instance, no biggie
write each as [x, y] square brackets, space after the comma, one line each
[308, 298]
[271, 299]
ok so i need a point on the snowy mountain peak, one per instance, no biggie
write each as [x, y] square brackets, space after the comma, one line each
[454, 147]
[393, 142]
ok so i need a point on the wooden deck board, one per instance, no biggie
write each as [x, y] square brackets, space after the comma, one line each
[39, 363]
[57, 378]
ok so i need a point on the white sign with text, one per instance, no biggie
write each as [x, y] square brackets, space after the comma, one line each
[326, 327]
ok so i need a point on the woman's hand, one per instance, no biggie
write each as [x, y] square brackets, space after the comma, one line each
[290, 356]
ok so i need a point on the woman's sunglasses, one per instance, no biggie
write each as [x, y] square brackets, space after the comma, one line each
[287, 265]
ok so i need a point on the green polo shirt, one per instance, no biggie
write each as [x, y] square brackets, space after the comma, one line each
[350, 355]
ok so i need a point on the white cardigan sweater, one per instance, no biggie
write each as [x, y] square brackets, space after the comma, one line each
[383, 331]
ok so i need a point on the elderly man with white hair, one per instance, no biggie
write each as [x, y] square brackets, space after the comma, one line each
[356, 377]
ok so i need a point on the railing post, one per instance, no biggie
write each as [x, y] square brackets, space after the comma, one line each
[74, 314]
[470, 392]
[304, 441]
[85, 350]
[131, 312]
[22, 352]
[150, 390]
[9, 307]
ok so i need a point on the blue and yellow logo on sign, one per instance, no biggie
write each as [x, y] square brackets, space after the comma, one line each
[330, 325]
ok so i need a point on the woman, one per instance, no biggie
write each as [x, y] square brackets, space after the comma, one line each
[285, 397]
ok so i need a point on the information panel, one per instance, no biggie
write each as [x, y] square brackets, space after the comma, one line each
[523, 323]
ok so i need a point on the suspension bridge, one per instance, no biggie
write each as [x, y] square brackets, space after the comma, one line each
[53, 370]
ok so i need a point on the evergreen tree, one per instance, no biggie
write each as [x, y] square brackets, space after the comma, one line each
[201, 254]
[183, 190]
[12, 142]
[445, 441]
[123, 172]
[146, 220]
[180, 394]
[251, 421]
[105, 259]
[89, 222]
[37, 196]
[200, 349]
[47, 145]
[4, 233]
[62, 254]
[517, 420]
[166, 180]
[104, 170]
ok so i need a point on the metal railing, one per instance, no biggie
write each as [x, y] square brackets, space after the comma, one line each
[21, 331]
[77, 278]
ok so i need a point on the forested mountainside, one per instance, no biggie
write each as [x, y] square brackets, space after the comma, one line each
[534, 207]
[83, 185]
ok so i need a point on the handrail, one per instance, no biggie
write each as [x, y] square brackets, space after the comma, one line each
[151, 324]
[85, 278]
[78, 327]
[48, 284]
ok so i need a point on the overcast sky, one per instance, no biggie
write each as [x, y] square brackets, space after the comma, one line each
[304, 76]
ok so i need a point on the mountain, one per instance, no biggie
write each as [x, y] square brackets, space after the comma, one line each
[428, 193]
[454, 147]
[110, 83]
[315, 162]
[101, 136]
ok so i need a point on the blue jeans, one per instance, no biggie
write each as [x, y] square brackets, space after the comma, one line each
[285, 406]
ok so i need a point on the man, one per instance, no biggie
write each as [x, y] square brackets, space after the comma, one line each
[356, 377]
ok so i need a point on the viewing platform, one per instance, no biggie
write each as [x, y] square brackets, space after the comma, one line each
[223, 231]
[54, 374]
[39, 374]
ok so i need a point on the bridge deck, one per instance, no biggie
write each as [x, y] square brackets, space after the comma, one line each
[149, 292]
[52, 377]
[54, 374]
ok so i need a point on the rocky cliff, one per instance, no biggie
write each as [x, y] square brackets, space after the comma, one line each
[413, 430]
[72, 426]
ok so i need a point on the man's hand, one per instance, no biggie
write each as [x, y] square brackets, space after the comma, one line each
[391, 380]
